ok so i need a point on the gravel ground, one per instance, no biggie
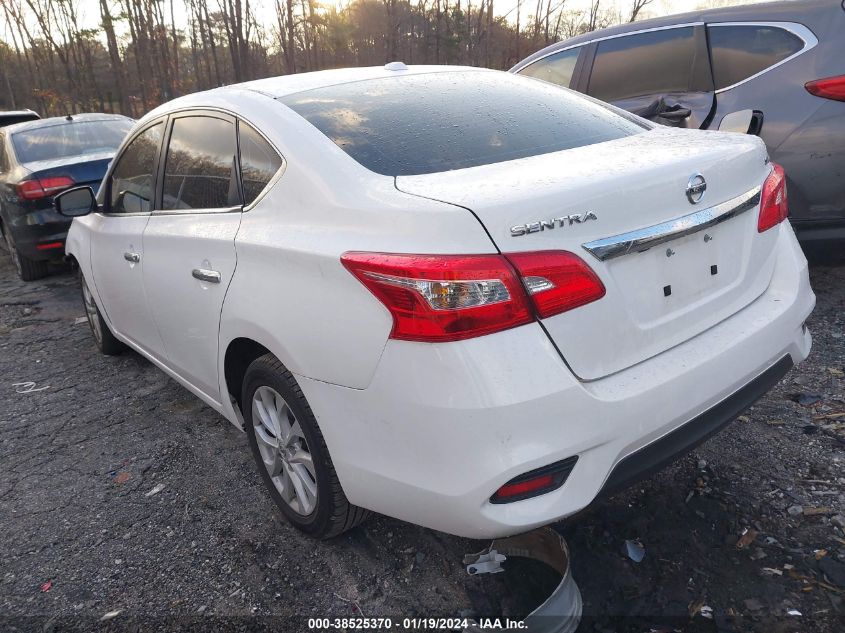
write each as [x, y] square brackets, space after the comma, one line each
[92, 437]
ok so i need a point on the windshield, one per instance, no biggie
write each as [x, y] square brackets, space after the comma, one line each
[72, 138]
[427, 123]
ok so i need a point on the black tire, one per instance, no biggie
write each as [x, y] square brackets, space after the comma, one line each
[28, 269]
[332, 514]
[105, 340]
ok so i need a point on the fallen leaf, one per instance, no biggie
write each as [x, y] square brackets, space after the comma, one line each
[122, 478]
[747, 537]
[836, 372]
[820, 553]
[809, 512]
[830, 416]
[157, 489]
[47, 586]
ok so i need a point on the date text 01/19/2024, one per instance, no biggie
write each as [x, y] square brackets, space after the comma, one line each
[413, 624]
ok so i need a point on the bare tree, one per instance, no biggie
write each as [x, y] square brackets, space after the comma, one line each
[636, 7]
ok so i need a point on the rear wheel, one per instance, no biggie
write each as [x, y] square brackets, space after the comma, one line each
[292, 456]
[28, 269]
[106, 341]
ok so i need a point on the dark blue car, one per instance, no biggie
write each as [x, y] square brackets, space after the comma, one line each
[39, 159]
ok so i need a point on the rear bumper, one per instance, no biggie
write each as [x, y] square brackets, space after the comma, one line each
[441, 427]
[660, 453]
[35, 230]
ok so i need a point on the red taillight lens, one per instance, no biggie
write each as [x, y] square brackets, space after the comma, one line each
[437, 298]
[42, 187]
[557, 281]
[443, 297]
[828, 88]
[773, 204]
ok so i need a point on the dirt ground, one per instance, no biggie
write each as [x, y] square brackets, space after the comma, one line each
[88, 441]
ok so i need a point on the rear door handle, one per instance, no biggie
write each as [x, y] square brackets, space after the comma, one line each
[211, 276]
[132, 257]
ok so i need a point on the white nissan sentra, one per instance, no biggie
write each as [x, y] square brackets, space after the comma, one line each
[467, 299]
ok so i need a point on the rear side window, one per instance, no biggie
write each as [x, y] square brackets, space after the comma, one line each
[132, 183]
[426, 123]
[643, 64]
[259, 162]
[199, 171]
[556, 68]
[739, 51]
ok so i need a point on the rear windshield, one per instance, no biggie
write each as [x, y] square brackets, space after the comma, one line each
[422, 124]
[72, 138]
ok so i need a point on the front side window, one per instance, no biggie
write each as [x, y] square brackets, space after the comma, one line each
[132, 184]
[557, 68]
[199, 171]
[259, 162]
[739, 51]
[656, 62]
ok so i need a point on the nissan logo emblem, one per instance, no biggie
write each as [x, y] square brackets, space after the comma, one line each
[696, 188]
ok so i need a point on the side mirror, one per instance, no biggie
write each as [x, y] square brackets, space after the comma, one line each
[739, 121]
[76, 202]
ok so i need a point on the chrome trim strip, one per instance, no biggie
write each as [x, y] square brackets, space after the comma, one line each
[643, 239]
[798, 30]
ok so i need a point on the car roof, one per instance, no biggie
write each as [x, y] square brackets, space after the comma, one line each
[284, 85]
[782, 11]
[61, 120]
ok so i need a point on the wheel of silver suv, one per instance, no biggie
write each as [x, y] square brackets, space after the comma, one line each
[291, 454]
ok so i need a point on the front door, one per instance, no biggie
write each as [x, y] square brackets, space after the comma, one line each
[117, 246]
[189, 244]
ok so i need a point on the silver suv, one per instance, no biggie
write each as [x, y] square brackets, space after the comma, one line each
[776, 70]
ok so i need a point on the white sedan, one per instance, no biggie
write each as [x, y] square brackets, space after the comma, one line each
[467, 299]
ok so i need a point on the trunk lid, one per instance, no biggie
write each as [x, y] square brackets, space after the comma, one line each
[86, 169]
[658, 296]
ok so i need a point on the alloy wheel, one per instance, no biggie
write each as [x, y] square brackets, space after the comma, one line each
[284, 450]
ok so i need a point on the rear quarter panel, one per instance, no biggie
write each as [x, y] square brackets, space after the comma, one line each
[290, 292]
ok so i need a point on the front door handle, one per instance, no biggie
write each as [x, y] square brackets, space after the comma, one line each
[132, 257]
[211, 276]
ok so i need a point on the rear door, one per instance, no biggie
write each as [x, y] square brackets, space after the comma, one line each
[189, 242]
[661, 74]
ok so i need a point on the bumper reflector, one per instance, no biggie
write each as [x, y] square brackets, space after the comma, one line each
[49, 245]
[535, 482]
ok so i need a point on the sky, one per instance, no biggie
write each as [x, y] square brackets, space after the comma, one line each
[88, 10]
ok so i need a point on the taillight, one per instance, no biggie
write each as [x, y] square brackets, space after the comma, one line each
[557, 281]
[773, 204]
[828, 88]
[36, 188]
[438, 298]
[443, 297]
